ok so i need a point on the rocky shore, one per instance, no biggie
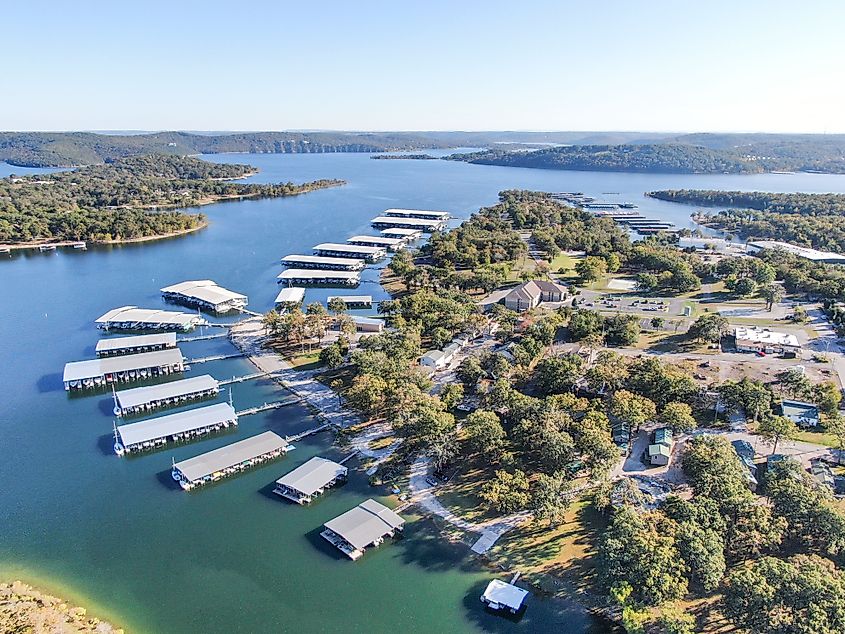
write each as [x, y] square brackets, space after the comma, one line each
[24, 609]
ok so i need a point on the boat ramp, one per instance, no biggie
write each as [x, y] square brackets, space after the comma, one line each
[182, 426]
[205, 294]
[79, 375]
[118, 346]
[366, 525]
[143, 399]
[310, 480]
[321, 262]
[228, 460]
[134, 318]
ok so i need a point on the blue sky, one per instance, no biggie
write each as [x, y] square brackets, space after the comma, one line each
[426, 65]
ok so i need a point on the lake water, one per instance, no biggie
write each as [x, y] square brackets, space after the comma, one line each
[116, 535]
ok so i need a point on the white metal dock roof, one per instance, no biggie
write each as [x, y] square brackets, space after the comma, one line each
[400, 231]
[204, 290]
[502, 593]
[384, 241]
[318, 274]
[416, 213]
[178, 423]
[230, 455]
[143, 395]
[292, 295]
[312, 476]
[348, 248]
[408, 222]
[133, 314]
[79, 370]
[365, 523]
[352, 299]
[319, 260]
[137, 341]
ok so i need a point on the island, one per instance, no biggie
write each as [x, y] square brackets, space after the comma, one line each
[811, 220]
[126, 200]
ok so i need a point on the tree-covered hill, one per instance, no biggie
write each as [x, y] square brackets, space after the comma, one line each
[125, 199]
[63, 149]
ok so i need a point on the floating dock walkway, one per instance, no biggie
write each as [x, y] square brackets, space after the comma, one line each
[217, 357]
[219, 335]
[246, 377]
[182, 426]
[228, 460]
[266, 407]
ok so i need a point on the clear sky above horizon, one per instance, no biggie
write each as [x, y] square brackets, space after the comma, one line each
[437, 65]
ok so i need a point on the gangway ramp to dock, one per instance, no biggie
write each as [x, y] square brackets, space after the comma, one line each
[217, 357]
[246, 377]
[307, 432]
[219, 335]
[264, 407]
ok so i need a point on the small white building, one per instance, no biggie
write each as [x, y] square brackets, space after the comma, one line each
[438, 359]
[504, 596]
[367, 324]
[753, 339]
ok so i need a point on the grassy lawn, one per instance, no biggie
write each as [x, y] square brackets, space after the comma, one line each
[305, 361]
[460, 493]
[523, 264]
[818, 438]
[556, 557]
[565, 262]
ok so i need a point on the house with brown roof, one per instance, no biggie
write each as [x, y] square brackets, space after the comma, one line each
[532, 293]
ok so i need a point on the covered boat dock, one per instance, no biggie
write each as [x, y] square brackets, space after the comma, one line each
[182, 426]
[205, 294]
[420, 224]
[416, 213]
[309, 480]
[392, 244]
[327, 278]
[80, 375]
[229, 460]
[353, 301]
[408, 235]
[117, 346]
[500, 595]
[319, 262]
[144, 399]
[134, 318]
[291, 296]
[340, 250]
[361, 527]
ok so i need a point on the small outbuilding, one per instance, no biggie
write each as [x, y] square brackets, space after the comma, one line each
[500, 595]
[660, 451]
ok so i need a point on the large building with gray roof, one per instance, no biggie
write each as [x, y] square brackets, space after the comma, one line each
[368, 524]
[309, 480]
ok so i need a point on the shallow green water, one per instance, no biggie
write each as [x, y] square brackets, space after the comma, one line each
[117, 534]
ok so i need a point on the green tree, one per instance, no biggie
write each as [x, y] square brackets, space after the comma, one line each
[556, 375]
[621, 330]
[337, 306]
[828, 397]
[678, 417]
[632, 409]
[331, 355]
[507, 492]
[451, 394]
[485, 434]
[591, 268]
[609, 371]
[550, 497]
[470, 372]
[367, 393]
[772, 293]
[708, 328]
[800, 595]
[584, 323]
[775, 429]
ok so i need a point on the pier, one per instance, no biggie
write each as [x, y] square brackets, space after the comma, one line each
[245, 377]
[392, 244]
[416, 213]
[134, 318]
[217, 357]
[172, 394]
[366, 525]
[419, 224]
[117, 346]
[307, 432]
[322, 262]
[309, 480]
[326, 278]
[265, 407]
[80, 375]
[228, 460]
[339, 250]
[353, 301]
[182, 426]
[205, 294]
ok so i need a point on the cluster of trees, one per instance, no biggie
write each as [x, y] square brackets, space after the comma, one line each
[595, 329]
[123, 199]
[813, 220]
[800, 275]
[664, 268]
[772, 562]
[437, 316]
[660, 158]
[300, 327]
[67, 149]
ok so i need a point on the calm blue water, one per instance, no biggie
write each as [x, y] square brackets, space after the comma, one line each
[116, 535]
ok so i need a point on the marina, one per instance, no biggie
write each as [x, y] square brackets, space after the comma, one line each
[320, 262]
[134, 318]
[367, 525]
[117, 346]
[93, 373]
[310, 480]
[392, 244]
[416, 213]
[340, 250]
[408, 235]
[353, 301]
[182, 426]
[205, 294]
[419, 224]
[326, 278]
[228, 460]
[143, 399]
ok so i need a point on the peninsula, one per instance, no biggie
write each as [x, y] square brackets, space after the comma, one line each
[127, 200]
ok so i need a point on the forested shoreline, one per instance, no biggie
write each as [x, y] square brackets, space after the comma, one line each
[127, 199]
[812, 220]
